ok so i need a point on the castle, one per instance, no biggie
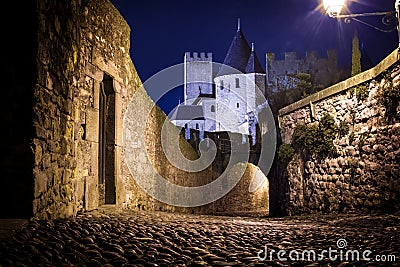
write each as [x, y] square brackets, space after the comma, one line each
[230, 100]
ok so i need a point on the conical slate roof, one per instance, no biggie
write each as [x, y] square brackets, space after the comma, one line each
[253, 64]
[240, 57]
[237, 56]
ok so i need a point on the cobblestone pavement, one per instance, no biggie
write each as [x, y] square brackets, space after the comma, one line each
[164, 239]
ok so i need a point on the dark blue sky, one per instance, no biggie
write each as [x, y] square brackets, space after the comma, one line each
[163, 30]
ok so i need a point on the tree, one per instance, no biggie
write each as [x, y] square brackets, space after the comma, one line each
[355, 56]
[296, 87]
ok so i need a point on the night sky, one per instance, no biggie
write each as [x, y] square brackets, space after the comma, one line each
[163, 30]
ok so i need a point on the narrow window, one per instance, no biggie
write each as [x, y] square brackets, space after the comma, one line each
[221, 83]
[237, 83]
[237, 105]
[212, 108]
[197, 126]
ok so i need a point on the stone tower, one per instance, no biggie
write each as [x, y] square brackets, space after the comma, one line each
[236, 83]
[198, 76]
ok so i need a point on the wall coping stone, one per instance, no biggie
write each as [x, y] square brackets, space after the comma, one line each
[360, 78]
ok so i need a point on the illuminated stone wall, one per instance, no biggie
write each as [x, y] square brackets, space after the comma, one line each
[251, 194]
[76, 51]
[364, 175]
[69, 142]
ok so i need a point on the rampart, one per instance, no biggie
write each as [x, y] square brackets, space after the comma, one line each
[361, 170]
[324, 70]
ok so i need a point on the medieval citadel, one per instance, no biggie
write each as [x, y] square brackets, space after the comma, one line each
[225, 100]
[231, 99]
[66, 145]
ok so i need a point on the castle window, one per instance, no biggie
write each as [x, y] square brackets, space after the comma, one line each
[212, 108]
[237, 105]
[237, 83]
[221, 83]
[197, 126]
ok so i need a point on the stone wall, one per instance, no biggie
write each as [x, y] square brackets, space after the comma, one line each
[363, 173]
[79, 45]
[66, 152]
[235, 99]
[251, 194]
[148, 155]
[324, 70]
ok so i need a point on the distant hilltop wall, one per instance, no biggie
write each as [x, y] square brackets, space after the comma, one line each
[346, 141]
[324, 70]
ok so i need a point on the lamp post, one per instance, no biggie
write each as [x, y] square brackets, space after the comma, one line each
[334, 8]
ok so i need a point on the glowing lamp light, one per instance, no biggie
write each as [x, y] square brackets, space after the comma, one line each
[333, 7]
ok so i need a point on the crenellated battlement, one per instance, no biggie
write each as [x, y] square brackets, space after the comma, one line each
[332, 54]
[323, 69]
[195, 56]
[270, 56]
[310, 56]
[290, 56]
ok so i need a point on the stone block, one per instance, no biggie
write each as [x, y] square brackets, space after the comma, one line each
[79, 189]
[94, 72]
[96, 95]
[119, 181]
[118, 120]
[94, 160]
[106, 65]
[92, 125]
[91, 193]
[40, 182]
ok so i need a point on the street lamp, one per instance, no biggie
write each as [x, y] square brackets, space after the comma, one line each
[334, 8]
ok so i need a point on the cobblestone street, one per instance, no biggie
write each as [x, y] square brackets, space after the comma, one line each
[163, 239]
